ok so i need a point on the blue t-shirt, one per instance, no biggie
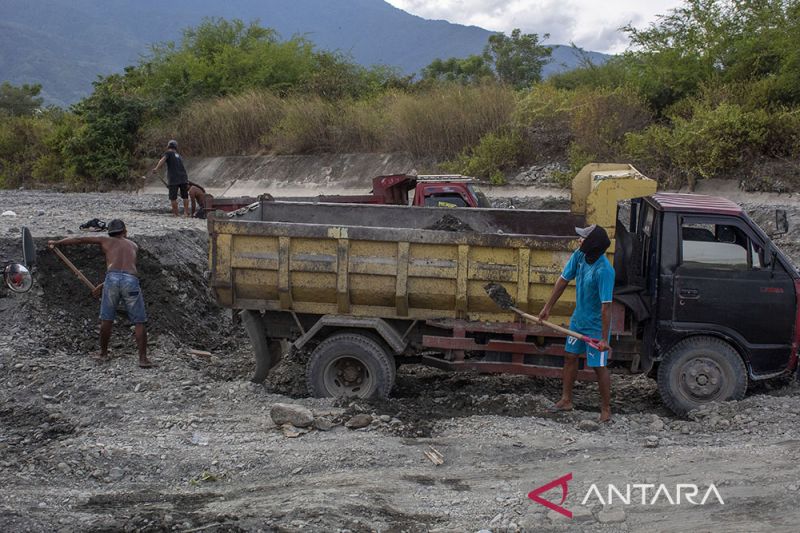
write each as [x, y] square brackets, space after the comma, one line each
[594, 286]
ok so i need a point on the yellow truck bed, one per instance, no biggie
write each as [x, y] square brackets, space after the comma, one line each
[383, 261]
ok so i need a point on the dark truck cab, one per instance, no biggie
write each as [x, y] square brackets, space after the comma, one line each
[717, 301]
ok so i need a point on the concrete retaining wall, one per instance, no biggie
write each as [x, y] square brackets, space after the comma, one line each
[289, 175]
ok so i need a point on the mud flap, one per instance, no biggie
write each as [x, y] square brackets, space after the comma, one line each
[267, 351]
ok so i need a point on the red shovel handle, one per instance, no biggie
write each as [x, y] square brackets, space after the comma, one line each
[594, 343]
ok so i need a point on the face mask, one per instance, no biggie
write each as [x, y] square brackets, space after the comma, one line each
[595, 244]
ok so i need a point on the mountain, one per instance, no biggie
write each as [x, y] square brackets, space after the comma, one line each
[66, 44]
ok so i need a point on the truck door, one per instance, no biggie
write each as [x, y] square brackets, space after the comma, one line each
[724, 282]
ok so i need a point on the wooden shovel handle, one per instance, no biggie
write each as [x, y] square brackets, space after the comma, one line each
[595, 343]
[74, 269]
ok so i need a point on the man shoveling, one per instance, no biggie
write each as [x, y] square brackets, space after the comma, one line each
[121, 284]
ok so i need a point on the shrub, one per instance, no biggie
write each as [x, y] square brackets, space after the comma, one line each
[601, 118]
[713, 142]
[494, 154]
[543, 117]
[21, 145]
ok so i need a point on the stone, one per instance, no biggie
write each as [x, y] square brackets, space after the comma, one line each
[657, 425]
[588, 425]
[651, 441]
[296, 415]
[115, 474]
[323, 424]
[359, 421]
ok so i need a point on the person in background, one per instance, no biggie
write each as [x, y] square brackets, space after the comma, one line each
[121, 284]
[197, 198]
[594, 288]
[177, 178]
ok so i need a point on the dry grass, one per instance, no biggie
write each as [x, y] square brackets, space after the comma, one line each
[446, 120]
[227, 126]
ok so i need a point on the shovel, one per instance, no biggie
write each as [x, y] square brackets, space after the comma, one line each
[500, 296]
[96, 290]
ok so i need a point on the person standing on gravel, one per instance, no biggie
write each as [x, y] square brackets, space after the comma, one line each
[121, 283]
[177, 178]
[594, 287]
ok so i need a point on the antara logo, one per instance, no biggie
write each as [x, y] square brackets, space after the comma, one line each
[632, 493]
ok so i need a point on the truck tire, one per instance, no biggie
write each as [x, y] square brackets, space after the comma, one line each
[700, 370]
[350, 365]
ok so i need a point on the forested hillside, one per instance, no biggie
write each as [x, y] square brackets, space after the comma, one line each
[712, 90]
[65, 44]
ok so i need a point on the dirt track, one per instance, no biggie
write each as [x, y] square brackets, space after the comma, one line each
[191, 446]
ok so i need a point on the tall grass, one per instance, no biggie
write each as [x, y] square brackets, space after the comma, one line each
[226, 126]
[447, 119]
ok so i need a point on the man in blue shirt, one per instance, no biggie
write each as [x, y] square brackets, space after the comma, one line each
[594, 288]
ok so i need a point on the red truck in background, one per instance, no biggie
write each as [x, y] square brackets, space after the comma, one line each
[394, 189]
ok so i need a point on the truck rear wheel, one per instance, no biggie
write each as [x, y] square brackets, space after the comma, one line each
[700, 370]
[351, 365]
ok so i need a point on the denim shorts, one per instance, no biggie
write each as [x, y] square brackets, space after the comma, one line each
[121, 286]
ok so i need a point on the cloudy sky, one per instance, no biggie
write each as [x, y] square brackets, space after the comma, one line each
[592, 25]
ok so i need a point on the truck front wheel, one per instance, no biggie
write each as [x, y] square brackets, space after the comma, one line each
[351, 365]
[700, 370]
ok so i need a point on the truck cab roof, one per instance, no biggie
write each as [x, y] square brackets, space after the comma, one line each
[695, 203]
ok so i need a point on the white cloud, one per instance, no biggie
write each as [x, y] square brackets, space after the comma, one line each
[590, 24]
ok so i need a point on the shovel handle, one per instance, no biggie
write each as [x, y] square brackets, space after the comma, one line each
[74, 269]
[594, 343]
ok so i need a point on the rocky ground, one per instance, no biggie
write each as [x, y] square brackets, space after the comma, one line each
[192, 446]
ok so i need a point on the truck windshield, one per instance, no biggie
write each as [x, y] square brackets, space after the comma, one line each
[483, 201]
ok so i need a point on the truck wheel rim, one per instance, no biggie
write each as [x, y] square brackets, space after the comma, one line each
[702, 378]
[347, 376]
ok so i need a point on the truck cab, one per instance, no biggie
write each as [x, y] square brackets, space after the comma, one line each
[447, 191]
[717, 299]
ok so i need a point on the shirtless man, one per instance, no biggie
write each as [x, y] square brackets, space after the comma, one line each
[121, 283]
[197, 198]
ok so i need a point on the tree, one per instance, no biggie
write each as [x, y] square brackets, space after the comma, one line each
[517, 60]
[102, 148]
[706, 42]
[19, 101]
[472, 69]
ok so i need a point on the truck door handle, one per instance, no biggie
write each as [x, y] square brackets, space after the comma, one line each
[689, 294]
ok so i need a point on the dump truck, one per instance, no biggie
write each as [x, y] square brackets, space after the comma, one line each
[704, 301]
[395, 189]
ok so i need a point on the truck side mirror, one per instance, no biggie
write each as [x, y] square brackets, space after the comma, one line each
[781, 223]
[17, 278]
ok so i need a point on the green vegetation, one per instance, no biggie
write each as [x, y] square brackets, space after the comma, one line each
[711, 90]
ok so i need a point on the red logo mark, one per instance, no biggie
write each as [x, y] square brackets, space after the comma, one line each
[560, 482]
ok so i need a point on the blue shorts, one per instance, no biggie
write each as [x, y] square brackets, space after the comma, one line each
[122, 286]
[594, 357]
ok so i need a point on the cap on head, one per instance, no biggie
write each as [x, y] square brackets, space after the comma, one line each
[172, 144]
[585, 232]
[115, 227]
